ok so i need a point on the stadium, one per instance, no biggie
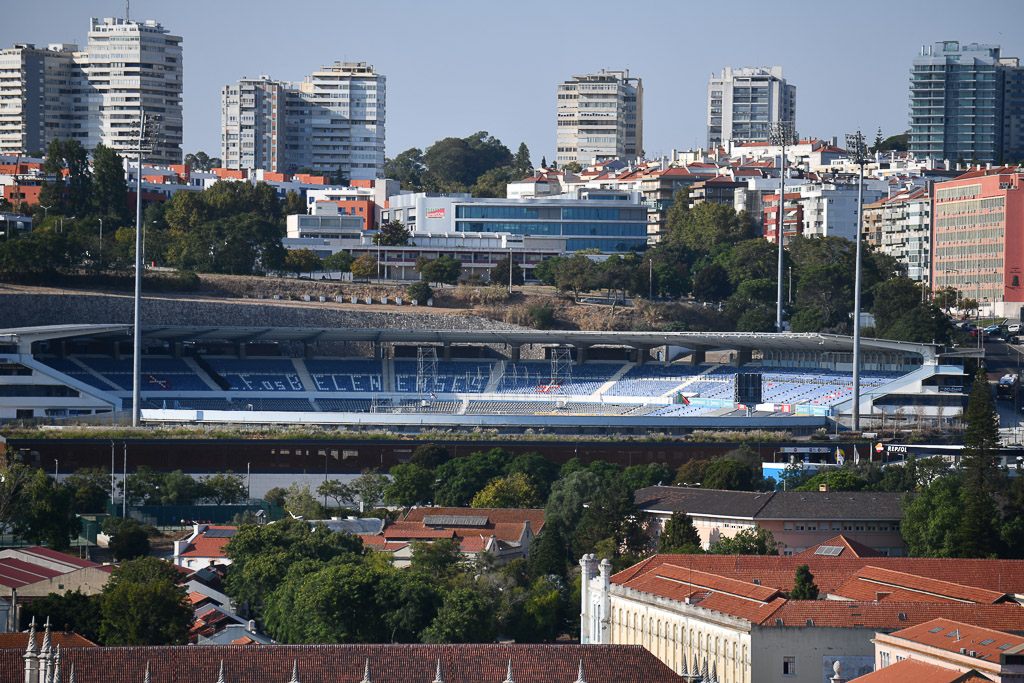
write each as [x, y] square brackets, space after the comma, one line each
[409, 380]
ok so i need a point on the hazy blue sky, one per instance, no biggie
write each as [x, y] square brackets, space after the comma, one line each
[455, 67]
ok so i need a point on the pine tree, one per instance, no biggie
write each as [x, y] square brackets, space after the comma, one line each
[544, 162]
[879, 141]
[978, 532]
[679, 535]
[804, 587]
[522, 164]
[548, 553]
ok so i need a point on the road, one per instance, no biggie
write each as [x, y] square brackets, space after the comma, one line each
[1002, 358]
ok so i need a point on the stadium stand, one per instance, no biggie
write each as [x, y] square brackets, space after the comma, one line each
[346, 375]
[452, 377]
[257, 374]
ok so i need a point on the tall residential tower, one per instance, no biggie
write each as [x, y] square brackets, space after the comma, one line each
[39, 92]
[743, 102]
[600, 117]
[967, 102]
[332, 121]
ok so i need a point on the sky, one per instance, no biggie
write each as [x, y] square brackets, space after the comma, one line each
[455, 67]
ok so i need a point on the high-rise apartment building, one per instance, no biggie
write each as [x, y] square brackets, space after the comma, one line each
[38, 89]
[332, 121]
[94, 95]
[132, 65]
[743, 102]
[600, 117]
[901, 226]
[966, 102]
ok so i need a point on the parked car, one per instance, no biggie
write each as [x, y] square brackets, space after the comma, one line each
[1013, 328]
[993, 329]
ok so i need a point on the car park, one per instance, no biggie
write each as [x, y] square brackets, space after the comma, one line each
[1013, 328]
[994, 329]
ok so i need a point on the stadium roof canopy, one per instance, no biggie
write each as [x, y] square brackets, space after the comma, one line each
[743, 341]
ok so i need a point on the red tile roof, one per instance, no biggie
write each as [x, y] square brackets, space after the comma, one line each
[203, 546]
[65, 639]
[886, 615]
[387, 663]
[851, 548]
[953, 635]
[915, 671]
[870, 581]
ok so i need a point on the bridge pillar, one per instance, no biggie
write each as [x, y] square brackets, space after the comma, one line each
[743, 356]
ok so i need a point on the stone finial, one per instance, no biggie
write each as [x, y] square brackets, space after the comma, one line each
[696, 667]
[71, 675]
[837, 669]
[220, 676]
[145, 678]
[366, 672]
[579, 676]
[56, 665]
[45, 650]
[714, 671]
[295, 671]
[437, 675]
[508, 676]
[704, 671]
[31, 649]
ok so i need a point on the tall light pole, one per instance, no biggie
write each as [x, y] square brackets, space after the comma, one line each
[781, 133]
[101, 236]
[858, 153]
[140, 128]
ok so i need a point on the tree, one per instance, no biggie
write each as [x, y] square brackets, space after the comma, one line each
[44, 513]
[641, 476]
[836, 480]
[611, 519]
[499, 273]
[225, 488]
[67, 163]
[712, 283]
[460, 479]
[370, 487]
[340, 261]
[494, 182]
[364, 266]
[546, 269]
[707, 225]
[755, 541]
[466, 616]
[578, 273]
[178, 488]
[141, 605]
[200, 161]
[932, 519]
[302, 261]
[129, 542]
[438, 560]
[568, 496]
[514, 491]
[419, 291]
[109, 188]
[392, 234]
[893, 298]
[804, 587]
[293, 204]
[73, 611]
[430, 455]
[444, 270]
[522, 164]
[90, 488]
[977, 533]
[276, 495]
[548, 551]
[407, 168]
[410, 485]
[691, 472]
[731, 475]
[679, 535]
[542, 472]
[142, 486]
[300, 502]
[341, 492]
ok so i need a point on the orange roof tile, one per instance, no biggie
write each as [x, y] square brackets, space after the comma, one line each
[915, 671]
[851, 548]
[869, 581]
[65, 639]
[947, 634]
[887, 615]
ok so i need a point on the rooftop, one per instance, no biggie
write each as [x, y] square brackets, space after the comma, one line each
[946, 634]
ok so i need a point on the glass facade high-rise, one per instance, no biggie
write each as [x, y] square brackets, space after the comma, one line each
[964, 102]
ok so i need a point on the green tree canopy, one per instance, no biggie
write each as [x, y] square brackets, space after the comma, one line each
[392, 234]
[444, 270]
[679, 535]
[517, 490]
[109, 188]
[142, 605]
[410, 485]
[732, 475]
[340, 261]
[499, 273]
[804, 587]
[837, 480]
[577, 274]
[430, 455]
[750, 541]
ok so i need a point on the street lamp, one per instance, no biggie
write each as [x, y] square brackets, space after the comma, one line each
[858, 153]
[781, 133]
[101, 237]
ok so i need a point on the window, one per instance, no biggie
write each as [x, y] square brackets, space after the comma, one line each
[884, 657]
[799, 526]
[787, 526]
[789, 666]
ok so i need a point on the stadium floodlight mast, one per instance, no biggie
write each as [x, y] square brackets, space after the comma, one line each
[781, 133]
[858, 154]
[142, 129]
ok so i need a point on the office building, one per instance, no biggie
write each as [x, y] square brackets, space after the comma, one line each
[743, 102]
[331, 122]
[966, 102]
[36, 103]
[95, 95]
[132, 65]
[977, 245]
[600, 117]
[901, 226]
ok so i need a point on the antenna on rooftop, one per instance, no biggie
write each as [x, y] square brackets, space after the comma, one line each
[127, 9]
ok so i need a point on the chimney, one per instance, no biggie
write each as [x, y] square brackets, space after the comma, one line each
[251, 626]
[882, 595]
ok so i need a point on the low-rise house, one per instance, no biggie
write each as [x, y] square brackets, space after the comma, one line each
[31, 572]
[203, 547]
[797, 519]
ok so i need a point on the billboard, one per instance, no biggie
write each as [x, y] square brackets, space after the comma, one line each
[435, 213]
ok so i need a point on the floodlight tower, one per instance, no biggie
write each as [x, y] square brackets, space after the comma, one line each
[781, 133]
[858, 154]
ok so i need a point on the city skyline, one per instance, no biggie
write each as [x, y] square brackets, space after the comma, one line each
[440, 80]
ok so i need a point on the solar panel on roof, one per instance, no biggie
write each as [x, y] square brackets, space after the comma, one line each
[829, 550]
[220, 533]
[988, 641]
[454, 520]
[1005, 646]
[936, 629]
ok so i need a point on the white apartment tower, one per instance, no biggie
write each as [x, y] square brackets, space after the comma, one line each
[131, 65]
[39, 91]
[600, 117]
[743, 102]
[332, 121]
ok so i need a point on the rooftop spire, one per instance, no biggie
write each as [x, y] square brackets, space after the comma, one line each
[437, 676]
[295, 671]
[220, 676]
[579, 676]
[366, 672]
[508, 676]
[71, 676]
[56, 665]
[45, 650]
[30, 649]
[145, 678]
